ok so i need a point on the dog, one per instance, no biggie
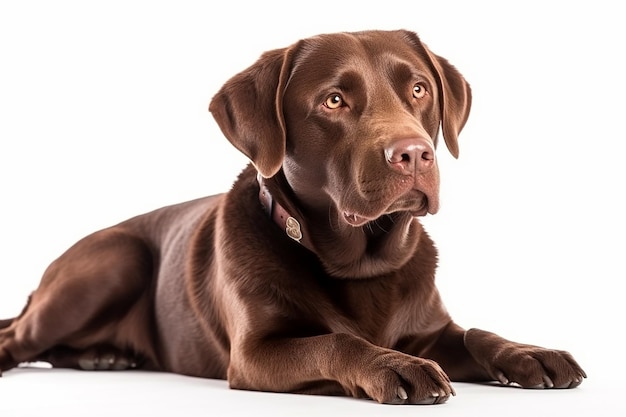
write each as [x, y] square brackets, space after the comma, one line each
[313, 273]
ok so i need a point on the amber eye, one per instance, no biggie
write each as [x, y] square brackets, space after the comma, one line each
[419, 91]
[333, 101]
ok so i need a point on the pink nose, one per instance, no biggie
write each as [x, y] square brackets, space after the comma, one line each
[410, 156]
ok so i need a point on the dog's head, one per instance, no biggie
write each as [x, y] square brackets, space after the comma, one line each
[351, 119]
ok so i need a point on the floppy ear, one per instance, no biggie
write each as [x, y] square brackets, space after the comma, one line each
[248, 110]
[455, 96]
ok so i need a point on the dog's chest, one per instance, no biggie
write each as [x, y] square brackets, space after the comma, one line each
[379, 311]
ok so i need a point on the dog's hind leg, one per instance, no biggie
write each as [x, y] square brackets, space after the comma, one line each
[91, 308]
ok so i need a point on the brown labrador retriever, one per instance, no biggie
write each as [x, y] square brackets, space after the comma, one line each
[313, 274]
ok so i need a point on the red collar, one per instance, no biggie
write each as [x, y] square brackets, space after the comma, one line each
[281, 216]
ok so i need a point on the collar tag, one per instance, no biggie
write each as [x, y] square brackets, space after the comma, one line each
[292, 227]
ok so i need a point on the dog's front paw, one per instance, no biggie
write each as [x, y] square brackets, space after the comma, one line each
[528, 366]
[534, 367]
[397, 378]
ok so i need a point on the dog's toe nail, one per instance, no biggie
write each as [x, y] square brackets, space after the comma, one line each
[86, 364]
[428, 401]
[501, 378]
[547, 382]
[402, 393]
[442, 399]
[106, 361]
[571, 384]
[120, 363]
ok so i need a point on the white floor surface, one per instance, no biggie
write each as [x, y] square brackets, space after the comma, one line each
[68, 393]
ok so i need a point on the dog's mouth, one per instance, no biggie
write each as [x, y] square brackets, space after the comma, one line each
[416, 207]
[371, 198]
[354, 219]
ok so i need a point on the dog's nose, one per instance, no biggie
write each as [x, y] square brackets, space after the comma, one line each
[410, 156]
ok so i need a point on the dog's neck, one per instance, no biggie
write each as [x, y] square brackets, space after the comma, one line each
[345, 251]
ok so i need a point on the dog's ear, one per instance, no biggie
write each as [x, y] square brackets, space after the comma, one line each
[455, 96]
[248, 110]
[456, 101]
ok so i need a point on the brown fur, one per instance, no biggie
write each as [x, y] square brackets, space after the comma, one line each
[215, 288]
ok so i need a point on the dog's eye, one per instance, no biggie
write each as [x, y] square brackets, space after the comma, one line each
[419, 91]
[333, 101]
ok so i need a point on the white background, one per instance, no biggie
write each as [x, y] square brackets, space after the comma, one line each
[103, 115]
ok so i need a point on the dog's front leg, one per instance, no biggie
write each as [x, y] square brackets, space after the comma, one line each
[524, 365]
[322, 364]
